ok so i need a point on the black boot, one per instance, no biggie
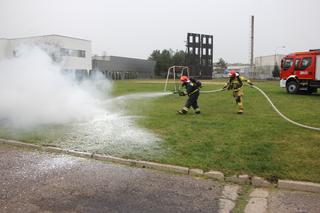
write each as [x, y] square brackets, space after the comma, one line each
[182, 112]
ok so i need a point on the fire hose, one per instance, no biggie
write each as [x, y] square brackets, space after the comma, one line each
[274, 108]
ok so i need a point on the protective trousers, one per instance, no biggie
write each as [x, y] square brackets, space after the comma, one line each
[192, 102]
[238, 98]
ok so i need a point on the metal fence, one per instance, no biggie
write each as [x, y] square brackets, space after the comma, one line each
[257, 72]
[261, 73]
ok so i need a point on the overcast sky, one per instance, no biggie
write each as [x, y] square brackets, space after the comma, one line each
[133, 28]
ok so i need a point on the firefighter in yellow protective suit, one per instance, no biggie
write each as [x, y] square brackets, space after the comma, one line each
[235, 83]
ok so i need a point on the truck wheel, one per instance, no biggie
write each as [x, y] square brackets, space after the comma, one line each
[292, 87]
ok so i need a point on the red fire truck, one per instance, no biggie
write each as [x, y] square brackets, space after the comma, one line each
[300, 71]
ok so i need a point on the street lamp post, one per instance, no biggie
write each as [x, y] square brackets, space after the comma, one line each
[276, 70]
[275, 54]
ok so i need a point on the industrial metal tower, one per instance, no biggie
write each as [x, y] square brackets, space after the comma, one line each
[199, 57]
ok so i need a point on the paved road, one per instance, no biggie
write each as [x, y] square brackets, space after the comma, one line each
[33, 181]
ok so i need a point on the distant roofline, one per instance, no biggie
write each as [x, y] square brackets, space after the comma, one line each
[269, 55]
[46, 36]
[121, 57]
[129, 57]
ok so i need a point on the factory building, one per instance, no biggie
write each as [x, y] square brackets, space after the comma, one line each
[117, 68]
[73, 54]
[75, 57]
[264, 65]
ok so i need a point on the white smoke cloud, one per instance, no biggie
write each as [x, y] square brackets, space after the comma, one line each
[33, 92]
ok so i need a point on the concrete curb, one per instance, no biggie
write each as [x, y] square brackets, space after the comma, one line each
[299, 185]
[260, 182]
[113, 159]
[239, 179]
[20, 144]
[163, 167]
[215, 175]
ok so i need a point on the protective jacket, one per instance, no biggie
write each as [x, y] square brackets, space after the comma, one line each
[192, 86]
[236, 83]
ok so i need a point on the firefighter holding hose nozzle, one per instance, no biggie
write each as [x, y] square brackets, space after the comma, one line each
[193, 91]
[235, 83]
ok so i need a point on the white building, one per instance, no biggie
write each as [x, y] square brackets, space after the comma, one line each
[264, 66]
[73, 54]
[268, 60]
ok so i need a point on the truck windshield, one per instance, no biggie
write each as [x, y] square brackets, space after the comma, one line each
[287, 63]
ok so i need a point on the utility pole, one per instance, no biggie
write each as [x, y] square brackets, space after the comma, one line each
[252, 43]
[275, 54]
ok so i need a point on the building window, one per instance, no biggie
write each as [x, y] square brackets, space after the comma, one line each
[73, 53]
[204, 52]
[204, 41]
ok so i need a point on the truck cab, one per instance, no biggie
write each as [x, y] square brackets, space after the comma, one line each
[301, 72]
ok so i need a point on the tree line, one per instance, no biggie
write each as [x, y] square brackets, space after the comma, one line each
[167, 58]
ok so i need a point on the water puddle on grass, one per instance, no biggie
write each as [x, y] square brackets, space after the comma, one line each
[111, 134]
[114, 132]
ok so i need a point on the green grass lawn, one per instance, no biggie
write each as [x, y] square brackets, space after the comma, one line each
[259, 142]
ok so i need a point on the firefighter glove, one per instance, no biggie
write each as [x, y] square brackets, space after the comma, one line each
[182, 93]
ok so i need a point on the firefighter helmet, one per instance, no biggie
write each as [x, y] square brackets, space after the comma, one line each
[184, 78]
[232, 73]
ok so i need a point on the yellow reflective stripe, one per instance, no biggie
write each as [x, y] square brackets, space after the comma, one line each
[193, 91]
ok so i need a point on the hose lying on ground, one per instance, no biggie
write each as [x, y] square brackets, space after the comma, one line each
[273, 106]
[282, 115]
[211, 91]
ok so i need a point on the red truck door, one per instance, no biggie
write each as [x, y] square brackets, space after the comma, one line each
[306, 67]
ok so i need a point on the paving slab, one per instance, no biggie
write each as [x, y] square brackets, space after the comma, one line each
[286, 201]
[257, 201]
